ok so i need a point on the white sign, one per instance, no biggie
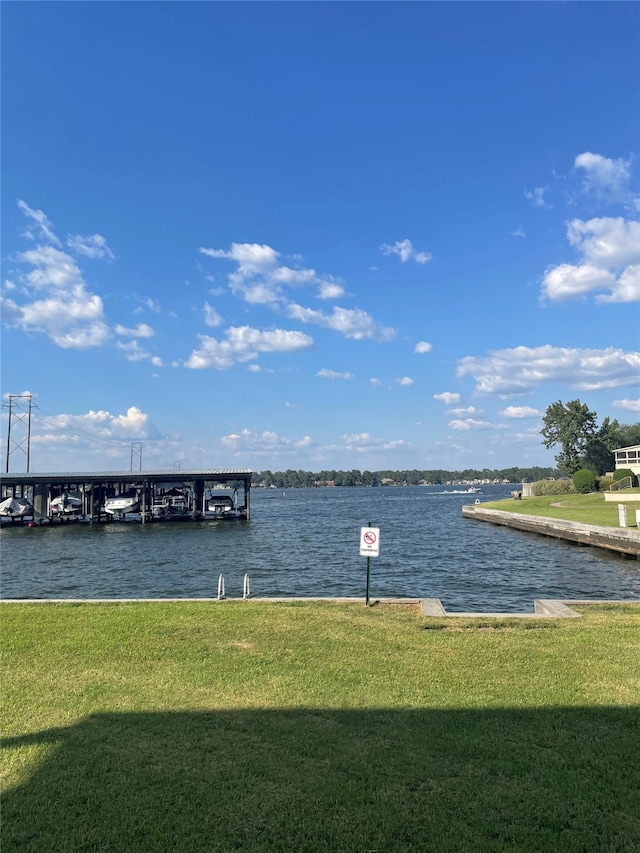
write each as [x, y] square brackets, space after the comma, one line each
[622, 515]
[369, 541]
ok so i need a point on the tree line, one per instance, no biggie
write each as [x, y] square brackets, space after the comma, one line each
[291, 479]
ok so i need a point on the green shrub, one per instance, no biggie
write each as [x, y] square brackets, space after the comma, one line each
[541, 488]
[603, 484]
[584, 481]
[621, 473]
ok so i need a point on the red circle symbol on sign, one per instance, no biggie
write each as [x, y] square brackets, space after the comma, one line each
[369, 537]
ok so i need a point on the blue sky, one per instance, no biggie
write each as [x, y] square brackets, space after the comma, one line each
[317, 235]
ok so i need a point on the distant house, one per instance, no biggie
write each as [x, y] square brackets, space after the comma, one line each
[628, 457]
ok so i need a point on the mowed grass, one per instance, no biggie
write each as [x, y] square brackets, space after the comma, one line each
[317, 727]
[587, 509]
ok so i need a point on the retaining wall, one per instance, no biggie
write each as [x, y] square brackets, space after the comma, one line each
[622, 540]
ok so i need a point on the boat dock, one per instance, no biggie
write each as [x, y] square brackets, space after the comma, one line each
[143, 496]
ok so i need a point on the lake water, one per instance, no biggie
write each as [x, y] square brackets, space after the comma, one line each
[305, 542]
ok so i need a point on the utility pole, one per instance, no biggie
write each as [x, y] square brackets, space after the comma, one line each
[20, 414]
[136, 452]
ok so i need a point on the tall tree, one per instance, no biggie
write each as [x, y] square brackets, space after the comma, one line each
[628, 435]
[599, 454]
[572, 427]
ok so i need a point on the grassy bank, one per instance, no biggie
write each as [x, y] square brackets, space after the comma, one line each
[317, 727]
[587, 509]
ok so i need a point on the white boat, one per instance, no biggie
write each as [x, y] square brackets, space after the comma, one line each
[67, 503]
[225, 506]
[221, 505]
[15, 508]
[121, 504]
[173, 502]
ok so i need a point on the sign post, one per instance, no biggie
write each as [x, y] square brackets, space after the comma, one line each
[622, 515]
[369, 547]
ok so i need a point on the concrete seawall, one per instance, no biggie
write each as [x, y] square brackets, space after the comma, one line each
[622, 540]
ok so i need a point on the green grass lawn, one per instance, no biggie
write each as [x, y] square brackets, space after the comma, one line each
[317, 727]
[588, 509]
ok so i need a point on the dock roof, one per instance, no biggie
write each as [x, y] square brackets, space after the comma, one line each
[172, 476]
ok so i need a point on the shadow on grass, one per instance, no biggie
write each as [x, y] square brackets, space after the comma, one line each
[330, 780]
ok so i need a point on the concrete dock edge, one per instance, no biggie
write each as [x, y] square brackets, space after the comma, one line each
[621, 540]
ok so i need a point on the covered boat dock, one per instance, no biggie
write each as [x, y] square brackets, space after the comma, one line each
[85, 495]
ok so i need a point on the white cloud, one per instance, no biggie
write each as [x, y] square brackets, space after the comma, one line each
[423, 346]
[94, 246]
[377, 383]
[405, 250]
[54, 299]
[142, 330]
[134, 424]
[520, 412]
[536, 196]
[459, 411]
[628, 405]
[264, 443]
[51, 268]
[522, 369]
[256, 368]
[626, 288]
[610, 249]
[211, 316]
[259, 280]
[405, 381]
[363, 443]
[151, 304]
[251, 257]
[133, 351]
[42, 228]
[519, 232]
[604, 176]
[330, 290]
[448, 398]
[71, 320]
[97, 440]
[567, 281]
[606, 242]
[293, 277]
[244, 344]
[332, 374]
[351, 322]
[472, 424]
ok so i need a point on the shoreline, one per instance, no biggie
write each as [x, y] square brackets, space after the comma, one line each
[623, 540]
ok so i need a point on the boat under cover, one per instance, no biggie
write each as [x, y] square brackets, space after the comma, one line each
[121, 504]
[66, 504]
[15, 508]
